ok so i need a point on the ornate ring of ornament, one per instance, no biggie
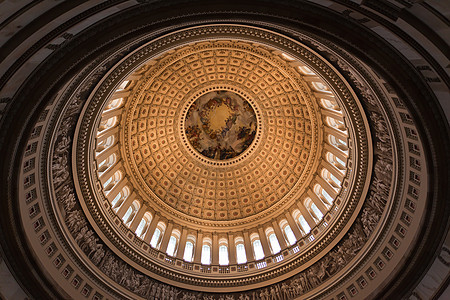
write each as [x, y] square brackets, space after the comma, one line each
[167, 51]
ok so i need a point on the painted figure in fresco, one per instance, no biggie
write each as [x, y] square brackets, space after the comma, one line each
[220, 125]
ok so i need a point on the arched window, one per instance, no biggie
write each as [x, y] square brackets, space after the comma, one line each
[188, 251]
[171, 246]
[189, 248]
[173, 242]
[304, 226]
[337, 124]
[120, 198]
[116, 199]
[112, 181]
[155, 238]
[123, 86]
[336, 161]
[105, 143]
[331, 179]
[320, 87]
[306, 71]
[258, 251]
[141, 230]
[338, 143]
[313, 210]
[113, 104]
[127, 214]
[330, 104]
[241, 256]
[107, 124]
[287, 57]
[323, 195]
[316, 211]
[107, 163]
[223, 252]
[206, 251]
[288, 233]
[157, 235]
[131, 212]
[273, 241]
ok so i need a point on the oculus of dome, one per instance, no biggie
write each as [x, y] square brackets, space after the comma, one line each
[220, 125]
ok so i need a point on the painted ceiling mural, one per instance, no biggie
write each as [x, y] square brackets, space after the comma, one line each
[220, 125]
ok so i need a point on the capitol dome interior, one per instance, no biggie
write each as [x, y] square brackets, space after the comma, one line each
[225, 150]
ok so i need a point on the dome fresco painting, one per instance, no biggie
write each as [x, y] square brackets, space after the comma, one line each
[220, 125]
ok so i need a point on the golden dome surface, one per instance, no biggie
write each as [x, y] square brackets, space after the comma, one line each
[151, 193]
[172, 172]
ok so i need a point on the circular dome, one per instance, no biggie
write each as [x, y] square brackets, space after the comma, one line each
[210, 157]
[172, 172]
[293, 186]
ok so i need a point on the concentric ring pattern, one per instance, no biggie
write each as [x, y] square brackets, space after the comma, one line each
[213, 150]
[293, 192]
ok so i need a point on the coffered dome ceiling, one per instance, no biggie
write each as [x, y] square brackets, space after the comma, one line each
[225, 156]
[223, 139]
[268, 134]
